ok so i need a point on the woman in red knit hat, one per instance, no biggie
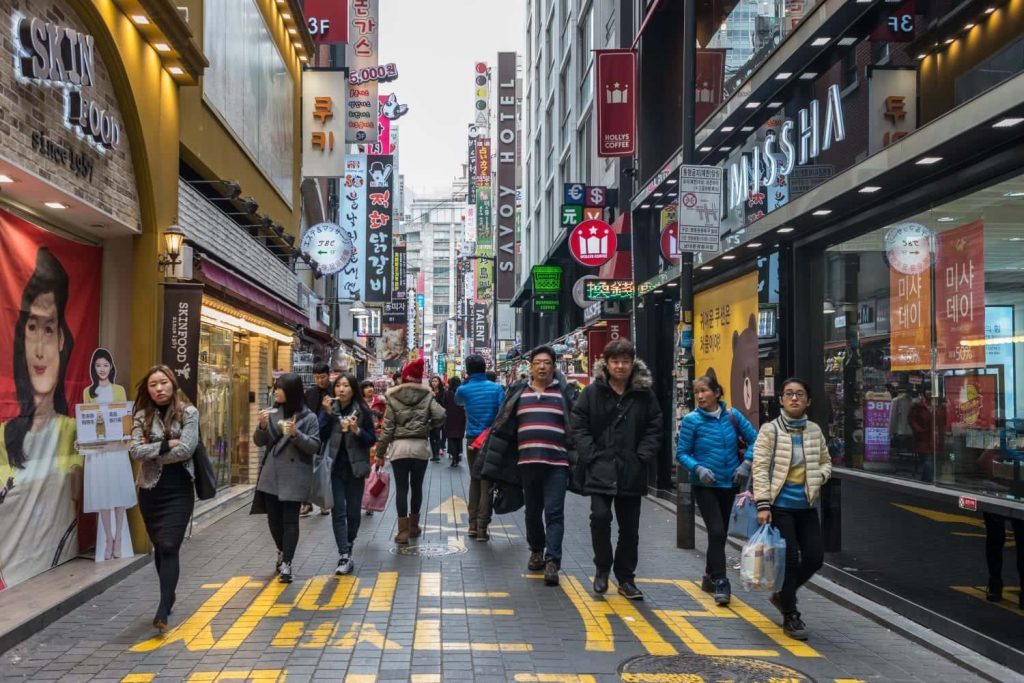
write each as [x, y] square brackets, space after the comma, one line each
[410, 414]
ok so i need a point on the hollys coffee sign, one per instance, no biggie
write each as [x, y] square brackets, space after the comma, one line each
[63, 57]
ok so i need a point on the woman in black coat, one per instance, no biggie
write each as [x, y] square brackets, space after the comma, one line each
[454, 422]
[437, 434]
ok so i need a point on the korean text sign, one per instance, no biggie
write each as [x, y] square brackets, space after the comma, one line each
[352, 217]
[960, 297]
[908, 250]
[380, 181]
[361, 104]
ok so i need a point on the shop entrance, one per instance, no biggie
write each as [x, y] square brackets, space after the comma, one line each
[224, 401]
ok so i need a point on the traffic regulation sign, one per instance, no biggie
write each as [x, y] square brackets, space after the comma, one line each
[700, 208]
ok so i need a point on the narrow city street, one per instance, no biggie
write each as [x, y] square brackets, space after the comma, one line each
[449, 608]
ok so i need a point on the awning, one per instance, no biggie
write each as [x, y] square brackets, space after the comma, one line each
[237, 287]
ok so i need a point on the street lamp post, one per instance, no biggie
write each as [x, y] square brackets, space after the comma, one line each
[494, 304]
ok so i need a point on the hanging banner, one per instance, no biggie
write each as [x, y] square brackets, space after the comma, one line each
[960, 297]
[352, 215]
[471, 175]
[361, 103]
[908, 250]
[399, 273]
[615, 94]
[505, 247]
[179, 332]
[710, 83]
[379, 189]
[383, 144]
[726, 341]
[323, 122]
[49, 325]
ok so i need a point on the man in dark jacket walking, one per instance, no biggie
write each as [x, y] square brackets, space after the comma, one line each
[616, 426]
[531, 445]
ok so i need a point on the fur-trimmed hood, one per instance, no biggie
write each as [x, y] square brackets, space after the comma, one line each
[640, 379]
[409, 394]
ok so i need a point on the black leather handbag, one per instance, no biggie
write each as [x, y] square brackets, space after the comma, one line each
[205, 479]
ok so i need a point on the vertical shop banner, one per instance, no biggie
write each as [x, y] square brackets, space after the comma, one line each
[726, 341]
[616, 103]
[380, 180]
[710, 82]
[327, 20]
[480, 329]
[352, 217]
[877, 408]
[400, 272]
[892, 105]
[179, 334]
[383, 144]
[960, 297]
[361, 103]
[908, 250]
[505, 242]
[323, 123]
[49, 325]
[471, 179]
[971, 401]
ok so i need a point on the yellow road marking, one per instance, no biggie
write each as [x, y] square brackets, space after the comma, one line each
[383, 592]
[430, 587]
[981, 593]
[247, 675]
[771, 629]
[945, 517]
[849, 680]
[365, 633]
[139, 678]
[425, 678]
[555, 678]
[595, 614]
[452, 510]
[361, 678]
[195, 631]
[666, 678]
[341, 597]
[291, 632]
[265, 605]
[427, 636]
[468, 611]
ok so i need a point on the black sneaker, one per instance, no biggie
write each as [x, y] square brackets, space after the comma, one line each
[723, 592]
[286, 573]
[628, 590]
[536, 562]
[280, 559]
[551, 573]
[706, 584]
[793, 626]
[345, 566]
[601, 582]
[776, 600]
[995, 592]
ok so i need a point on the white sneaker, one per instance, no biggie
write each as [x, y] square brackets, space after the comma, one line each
[286, 573]
[345, 566]
[280, 559]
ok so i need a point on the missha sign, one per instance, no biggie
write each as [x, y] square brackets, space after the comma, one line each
[795, 143]
[64, 57]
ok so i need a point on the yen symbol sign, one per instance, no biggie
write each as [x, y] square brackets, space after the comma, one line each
[689, 200]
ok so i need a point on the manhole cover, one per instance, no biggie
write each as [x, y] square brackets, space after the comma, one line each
[429, 549]
[701, 668]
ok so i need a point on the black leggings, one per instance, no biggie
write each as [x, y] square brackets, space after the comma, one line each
[436, 441]
[805, 552]
[455, 447]
[166, 509]
[409, 473]
[283, 520]
[715, 505]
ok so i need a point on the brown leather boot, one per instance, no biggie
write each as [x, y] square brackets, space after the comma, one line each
[472, 530]
[414, 526]
[481, 533]
[402, 537]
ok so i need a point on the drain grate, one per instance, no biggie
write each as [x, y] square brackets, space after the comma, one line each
[706, 668]
[428, 549]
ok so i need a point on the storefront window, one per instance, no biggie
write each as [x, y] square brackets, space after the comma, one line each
[223, 401]
[924, 321]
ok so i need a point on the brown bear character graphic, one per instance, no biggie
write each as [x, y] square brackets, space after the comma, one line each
[743, 380]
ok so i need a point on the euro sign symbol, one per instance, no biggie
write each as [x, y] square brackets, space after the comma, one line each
[576, 192]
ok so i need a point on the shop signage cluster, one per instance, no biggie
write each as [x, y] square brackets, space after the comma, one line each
[583, 203]
[323, 123]
[505, 247]
[616, 102]
[327, 20]
[329, 246]
[380, 191]
[361, 103]
[700, 209]
[352, 213]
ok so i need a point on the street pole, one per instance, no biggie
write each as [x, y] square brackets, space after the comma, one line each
[685, 524]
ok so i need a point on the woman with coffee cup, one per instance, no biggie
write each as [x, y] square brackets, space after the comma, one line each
[346, 426]
[291, 434]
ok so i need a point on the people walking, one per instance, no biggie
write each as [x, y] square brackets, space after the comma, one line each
[314, 401]
[377, 407]
[454, 422]
[410, 415]
[791, 464]
[709, 447]
[290, 432]
[617, 429]
[437, 438]
[165, 432]
[532, 431]
[346, 426]
[481, 398]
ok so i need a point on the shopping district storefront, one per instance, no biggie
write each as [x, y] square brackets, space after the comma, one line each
[872, 243]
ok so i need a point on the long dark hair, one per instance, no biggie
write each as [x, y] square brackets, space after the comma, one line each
[49, 277]
[96, 355]
[144, 402]
[294, 398]
[357, 392]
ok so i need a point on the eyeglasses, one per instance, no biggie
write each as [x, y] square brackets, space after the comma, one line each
[794, 395]
[540, 362]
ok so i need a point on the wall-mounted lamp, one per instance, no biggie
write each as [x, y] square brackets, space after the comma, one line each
[174, 239]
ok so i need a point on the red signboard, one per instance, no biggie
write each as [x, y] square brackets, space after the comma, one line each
[896, 25]
[971, 401]
[327, 20]
[383, 144]
[670, 243]
[709, 81]
[965, 503]
[593, 243]
[598, 338]
[483, 162]
[616, 103]
[960, 297]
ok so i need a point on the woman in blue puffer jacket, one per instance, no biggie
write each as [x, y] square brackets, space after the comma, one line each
[709, 448]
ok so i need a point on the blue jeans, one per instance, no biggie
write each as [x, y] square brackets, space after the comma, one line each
[345, 515]
[544, 488]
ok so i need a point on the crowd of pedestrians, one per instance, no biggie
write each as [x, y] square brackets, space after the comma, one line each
[526, 446]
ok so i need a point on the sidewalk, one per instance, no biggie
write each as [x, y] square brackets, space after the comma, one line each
[449, 608]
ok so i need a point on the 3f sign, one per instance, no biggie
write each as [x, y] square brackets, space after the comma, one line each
[901, 23]
[319, 27]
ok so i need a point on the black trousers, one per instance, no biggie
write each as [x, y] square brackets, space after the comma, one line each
[627, 514]
[805, 552]
[715, 505]
[436, 441]
[995, 539]
[166, 509]
[283, 520]
[455, 447]
[409, 473]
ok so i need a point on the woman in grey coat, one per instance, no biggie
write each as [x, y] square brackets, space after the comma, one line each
[291, 435]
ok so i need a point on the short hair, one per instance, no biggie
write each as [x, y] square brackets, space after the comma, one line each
[712, 382]
[491, 375]
[542, 349]
[321, 369]
[803, 383]
[475, 364]
[619, 347]
[365, 383]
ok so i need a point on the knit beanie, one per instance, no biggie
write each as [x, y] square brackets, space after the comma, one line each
[413, 371]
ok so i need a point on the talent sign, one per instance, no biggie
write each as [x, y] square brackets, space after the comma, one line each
[361, 103]
[908, 249]
[352, 213]
[616, 103]
[183, 305]
[700, 208]
[328, 20]
[670, 243]
[593, 243]
[380, 189]
[960, 297]
[505, 243]
[329, 246]
[608, 290]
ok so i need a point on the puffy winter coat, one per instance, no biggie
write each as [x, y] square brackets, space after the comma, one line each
[773, 454]
[711, 442]
[410, 415]
[482, 399]
[617, 436]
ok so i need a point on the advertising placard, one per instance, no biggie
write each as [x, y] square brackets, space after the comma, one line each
[361, 102]
[908, 249]
[352, 213]
[505, 247]
[971, 401]
[960, 297]
[877, 408]
[700, 208]
[179, 332]
[615, 95]
[323, 122]
[380, 189]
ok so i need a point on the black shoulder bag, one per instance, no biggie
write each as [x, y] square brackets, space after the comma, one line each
[205, 479]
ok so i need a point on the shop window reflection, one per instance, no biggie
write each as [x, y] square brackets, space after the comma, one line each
[223, 401]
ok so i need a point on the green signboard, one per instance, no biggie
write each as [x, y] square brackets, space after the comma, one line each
[546, 279]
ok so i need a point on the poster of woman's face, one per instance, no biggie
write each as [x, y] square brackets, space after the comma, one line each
[49, 324]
